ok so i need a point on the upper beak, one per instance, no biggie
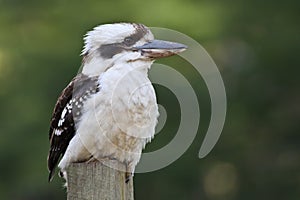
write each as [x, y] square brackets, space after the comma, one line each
[160, 49]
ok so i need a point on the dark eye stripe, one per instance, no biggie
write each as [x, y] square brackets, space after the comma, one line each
[140, 31]
[129, 41]
[109, 50]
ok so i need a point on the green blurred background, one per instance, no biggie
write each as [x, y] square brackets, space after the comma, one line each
[256, 46]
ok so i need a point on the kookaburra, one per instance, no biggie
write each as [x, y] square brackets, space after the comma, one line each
[109, 110]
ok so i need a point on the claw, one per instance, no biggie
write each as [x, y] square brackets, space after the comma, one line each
[91, 159]
[61, 174]
[128, 176]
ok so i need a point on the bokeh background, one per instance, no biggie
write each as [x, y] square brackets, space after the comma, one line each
[255, 44]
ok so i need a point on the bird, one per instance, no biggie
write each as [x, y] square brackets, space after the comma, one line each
[109, 109]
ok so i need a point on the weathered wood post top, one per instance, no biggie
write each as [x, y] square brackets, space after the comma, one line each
[96, 181]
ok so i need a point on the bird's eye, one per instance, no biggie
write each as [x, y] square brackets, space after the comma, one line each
[128, 41]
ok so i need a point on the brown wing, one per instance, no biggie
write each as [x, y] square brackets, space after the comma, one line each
[66, 113]
[61, 133]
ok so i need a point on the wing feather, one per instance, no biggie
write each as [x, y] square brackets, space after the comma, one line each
[66, 113]
[60, 136]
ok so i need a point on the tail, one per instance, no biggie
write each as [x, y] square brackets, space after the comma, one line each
[51, 174]
[53, 158]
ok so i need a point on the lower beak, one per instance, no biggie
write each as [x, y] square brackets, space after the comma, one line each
[160, 49]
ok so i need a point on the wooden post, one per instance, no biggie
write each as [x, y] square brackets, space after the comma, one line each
[95, 181]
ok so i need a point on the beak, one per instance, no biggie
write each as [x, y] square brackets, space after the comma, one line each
[160, 49]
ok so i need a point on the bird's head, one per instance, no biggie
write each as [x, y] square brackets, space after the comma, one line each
[111, 44]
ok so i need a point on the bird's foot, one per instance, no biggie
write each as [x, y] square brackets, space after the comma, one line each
[61, 174]
[92, 159]
[128, 176]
